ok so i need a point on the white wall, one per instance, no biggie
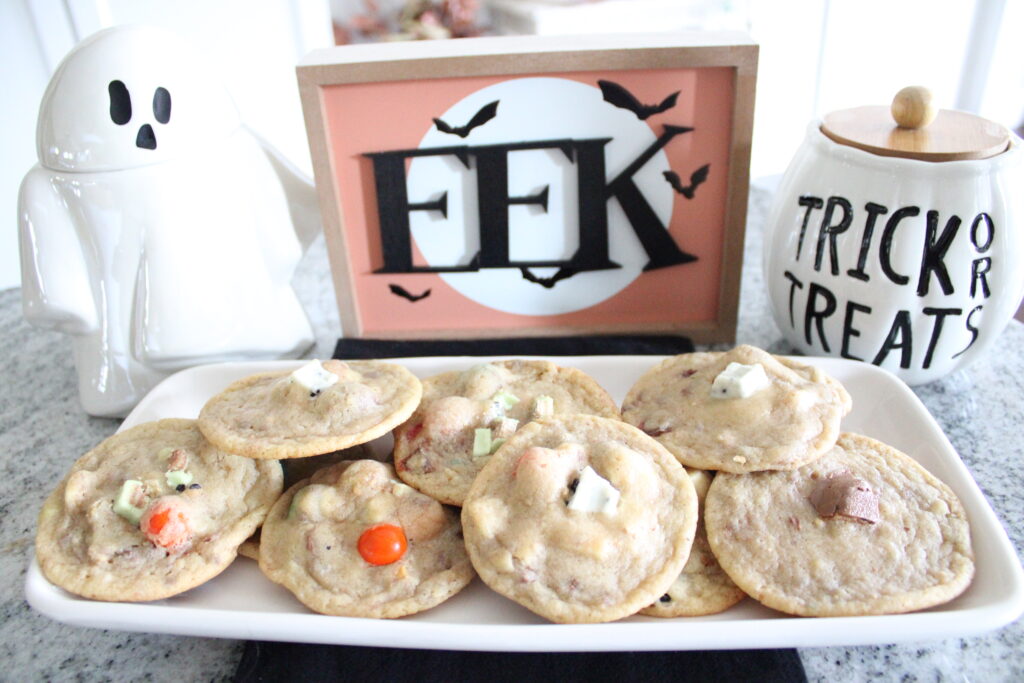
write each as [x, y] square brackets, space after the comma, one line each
[821, 55]
[22, 88]
[789, 33]
[1003, 99]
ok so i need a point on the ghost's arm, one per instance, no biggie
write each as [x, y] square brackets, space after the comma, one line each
[55, 284]
[303, 203]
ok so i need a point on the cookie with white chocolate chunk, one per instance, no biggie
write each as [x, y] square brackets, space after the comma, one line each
[863, 530]
[355, 541]
[151, 512]
[316, 409]
[464, 418]
[744, 410]
[580, 519]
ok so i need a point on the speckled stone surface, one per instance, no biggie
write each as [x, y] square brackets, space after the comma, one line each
[43, 429]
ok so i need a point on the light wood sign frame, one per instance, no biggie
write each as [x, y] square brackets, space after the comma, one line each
[534, 186]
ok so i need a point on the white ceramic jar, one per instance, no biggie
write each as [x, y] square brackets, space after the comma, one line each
[156, 230]
[911, 265]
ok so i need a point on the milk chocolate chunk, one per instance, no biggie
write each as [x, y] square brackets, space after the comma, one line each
[841, 493]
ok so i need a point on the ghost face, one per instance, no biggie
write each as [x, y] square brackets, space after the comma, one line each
[110, 104]
[121, 111]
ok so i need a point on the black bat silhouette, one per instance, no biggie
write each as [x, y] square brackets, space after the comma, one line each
[620, 97]
[548, 282]
[401, 291]
[486, 113]
[698, 177]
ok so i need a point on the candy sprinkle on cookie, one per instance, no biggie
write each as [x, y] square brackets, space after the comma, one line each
[740, 411]
[316, 409]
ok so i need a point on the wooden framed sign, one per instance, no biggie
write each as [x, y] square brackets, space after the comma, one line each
[533, 185]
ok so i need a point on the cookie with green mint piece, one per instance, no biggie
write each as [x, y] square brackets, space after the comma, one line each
[453, 432]
[119, 528]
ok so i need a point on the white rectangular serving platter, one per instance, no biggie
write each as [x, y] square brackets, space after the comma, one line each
[241, 603]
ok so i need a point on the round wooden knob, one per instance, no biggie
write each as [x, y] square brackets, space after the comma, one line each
[912, 107]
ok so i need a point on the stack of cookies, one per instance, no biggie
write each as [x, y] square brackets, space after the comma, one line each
[566, 509]
[801, 517]
[724, 475]
[165, 506]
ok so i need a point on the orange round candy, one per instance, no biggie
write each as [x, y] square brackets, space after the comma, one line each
[166, 523]
[382, 544]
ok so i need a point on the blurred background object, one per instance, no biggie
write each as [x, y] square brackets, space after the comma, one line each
[816, 56]
[359, 21]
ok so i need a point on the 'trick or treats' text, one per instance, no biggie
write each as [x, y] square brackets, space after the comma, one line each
[826, 221]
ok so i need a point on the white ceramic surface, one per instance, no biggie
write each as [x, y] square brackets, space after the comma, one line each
[861, 289]
[241, 603]
[156, 231]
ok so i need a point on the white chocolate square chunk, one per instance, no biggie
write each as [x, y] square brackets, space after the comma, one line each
[314, 377]
[594, 493]
[739, 381]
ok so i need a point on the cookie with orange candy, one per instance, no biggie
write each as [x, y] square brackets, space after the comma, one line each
[353, 540]
[151, 512]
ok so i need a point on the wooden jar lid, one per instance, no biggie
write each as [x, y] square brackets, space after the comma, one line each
[951, 136]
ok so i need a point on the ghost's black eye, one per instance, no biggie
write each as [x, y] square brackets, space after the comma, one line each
[120, 103]
[162, 105]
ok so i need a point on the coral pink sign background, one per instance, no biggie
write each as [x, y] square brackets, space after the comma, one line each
[373, 117]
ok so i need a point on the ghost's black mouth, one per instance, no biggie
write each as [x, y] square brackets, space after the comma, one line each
[146, 137]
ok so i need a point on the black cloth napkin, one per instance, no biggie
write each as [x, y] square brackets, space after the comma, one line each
[267, 661]
[309, 663]
[604, 345]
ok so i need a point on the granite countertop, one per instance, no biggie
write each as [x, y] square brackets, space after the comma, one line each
[43, 429]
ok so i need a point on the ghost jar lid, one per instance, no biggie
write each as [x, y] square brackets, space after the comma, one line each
[132, 96]
[911, 128]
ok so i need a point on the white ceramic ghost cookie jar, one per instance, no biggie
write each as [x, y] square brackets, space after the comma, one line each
[896, 239]
[156, 230]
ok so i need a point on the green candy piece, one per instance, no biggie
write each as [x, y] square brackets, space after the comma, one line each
[123, 505]
[482, 442]
[506, 399]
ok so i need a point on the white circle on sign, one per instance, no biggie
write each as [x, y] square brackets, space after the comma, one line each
[530, 110]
